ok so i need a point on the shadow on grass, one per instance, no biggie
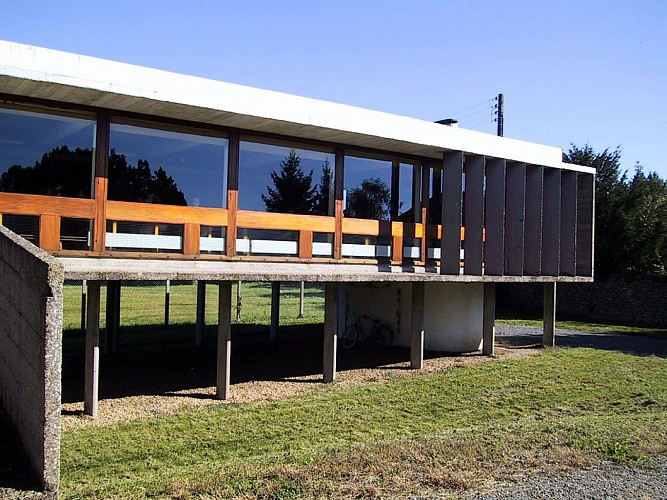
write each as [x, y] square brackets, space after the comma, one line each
[157, 361]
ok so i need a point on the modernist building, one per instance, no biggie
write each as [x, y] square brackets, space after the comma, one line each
[124, 172]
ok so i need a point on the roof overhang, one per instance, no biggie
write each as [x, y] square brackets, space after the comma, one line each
[35, 72]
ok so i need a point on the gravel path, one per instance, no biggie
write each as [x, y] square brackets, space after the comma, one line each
[602, 481]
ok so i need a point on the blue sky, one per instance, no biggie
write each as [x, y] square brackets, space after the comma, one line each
[571, 71]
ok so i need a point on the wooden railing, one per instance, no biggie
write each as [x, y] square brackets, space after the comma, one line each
[50, 210]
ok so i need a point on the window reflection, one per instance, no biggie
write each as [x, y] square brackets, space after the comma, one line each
[174, 168]
[46, 154]
[367, 188]
[286, 180]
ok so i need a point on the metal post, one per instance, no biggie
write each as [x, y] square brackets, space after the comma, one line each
[302, 293]
[92, 367]
[275, 309]
[501, 110]
[239, 301]
[167, 293]
[201, 312]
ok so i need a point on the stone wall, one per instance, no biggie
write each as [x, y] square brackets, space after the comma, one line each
[635, 300]
[31, 284]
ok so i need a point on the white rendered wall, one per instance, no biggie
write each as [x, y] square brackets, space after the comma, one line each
[452, 312]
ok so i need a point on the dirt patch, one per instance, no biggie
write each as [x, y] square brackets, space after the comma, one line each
[153, 381]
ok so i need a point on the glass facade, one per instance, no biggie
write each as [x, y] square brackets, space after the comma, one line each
[367, 188]
[158, 166]
[286, 180]
[46, 154]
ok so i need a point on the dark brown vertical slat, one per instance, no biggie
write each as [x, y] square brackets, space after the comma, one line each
[585, 223]
[395, 186]
[339, 176]
[515, 198]
[416, 192]
[568, 223]
[494, 242]
[450, 244]
[101, 184]
[425, 181]
[473, 199]
[232, 192]
[532, 260]
[551, 222]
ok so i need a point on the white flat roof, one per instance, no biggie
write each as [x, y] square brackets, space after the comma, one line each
[37, 72]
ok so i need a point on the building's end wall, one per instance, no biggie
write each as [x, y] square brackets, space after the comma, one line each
[31, 285]
[452, 312]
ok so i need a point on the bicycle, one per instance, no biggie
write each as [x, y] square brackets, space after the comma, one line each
[380, 333]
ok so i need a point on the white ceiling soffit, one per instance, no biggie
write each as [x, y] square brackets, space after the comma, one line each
[62, 76]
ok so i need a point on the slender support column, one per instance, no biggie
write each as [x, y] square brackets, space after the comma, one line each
[302, 298]
[417, 326]
[489, 320]
[549, 328]
[167, 301]
[275, 310]
[92, 369]
[224, 338]
[201, 312]
[112, 316]
[330, 330]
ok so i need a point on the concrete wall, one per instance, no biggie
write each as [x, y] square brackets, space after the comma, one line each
[638, 300]
[31, 285]
[452, 312]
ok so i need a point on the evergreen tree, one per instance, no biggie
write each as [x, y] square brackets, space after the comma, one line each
[325, 190]
[293, 191]
[630, 216]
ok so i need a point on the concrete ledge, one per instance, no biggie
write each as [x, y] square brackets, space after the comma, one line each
[88, 268]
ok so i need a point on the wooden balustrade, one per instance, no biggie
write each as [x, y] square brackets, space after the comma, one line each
[51, 209]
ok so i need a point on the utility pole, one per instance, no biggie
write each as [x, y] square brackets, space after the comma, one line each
[499, 118]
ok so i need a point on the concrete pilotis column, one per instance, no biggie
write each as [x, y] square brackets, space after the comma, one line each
[84, 304]
[201, 312]
[417, 326]
[549, 332]
[275, 309]
[92, 368]
[302, 298]
[330, 330]
[489, 319]
[224, 338]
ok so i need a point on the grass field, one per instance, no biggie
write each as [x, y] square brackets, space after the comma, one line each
[434, 432]
[447, 430]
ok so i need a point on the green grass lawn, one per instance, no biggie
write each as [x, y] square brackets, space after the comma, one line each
[445, 430]
[142, 310]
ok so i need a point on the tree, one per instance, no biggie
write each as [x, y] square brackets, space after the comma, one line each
[293, 191]
[140, 183]
[369, 201]
[325, 190]
[60, 172]
[630, 216]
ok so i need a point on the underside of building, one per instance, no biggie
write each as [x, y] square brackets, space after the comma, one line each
[118, 172]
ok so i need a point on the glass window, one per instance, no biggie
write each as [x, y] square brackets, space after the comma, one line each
[173, 168]
[46, 154]
[286, 180]
[367, 188]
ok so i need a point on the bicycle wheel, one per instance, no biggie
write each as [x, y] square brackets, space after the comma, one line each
[385, 334]
[349, 336]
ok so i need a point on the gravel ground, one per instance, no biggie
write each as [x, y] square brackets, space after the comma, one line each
[604, 480]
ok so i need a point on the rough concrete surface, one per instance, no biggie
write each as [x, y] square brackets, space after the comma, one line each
[31, 306]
